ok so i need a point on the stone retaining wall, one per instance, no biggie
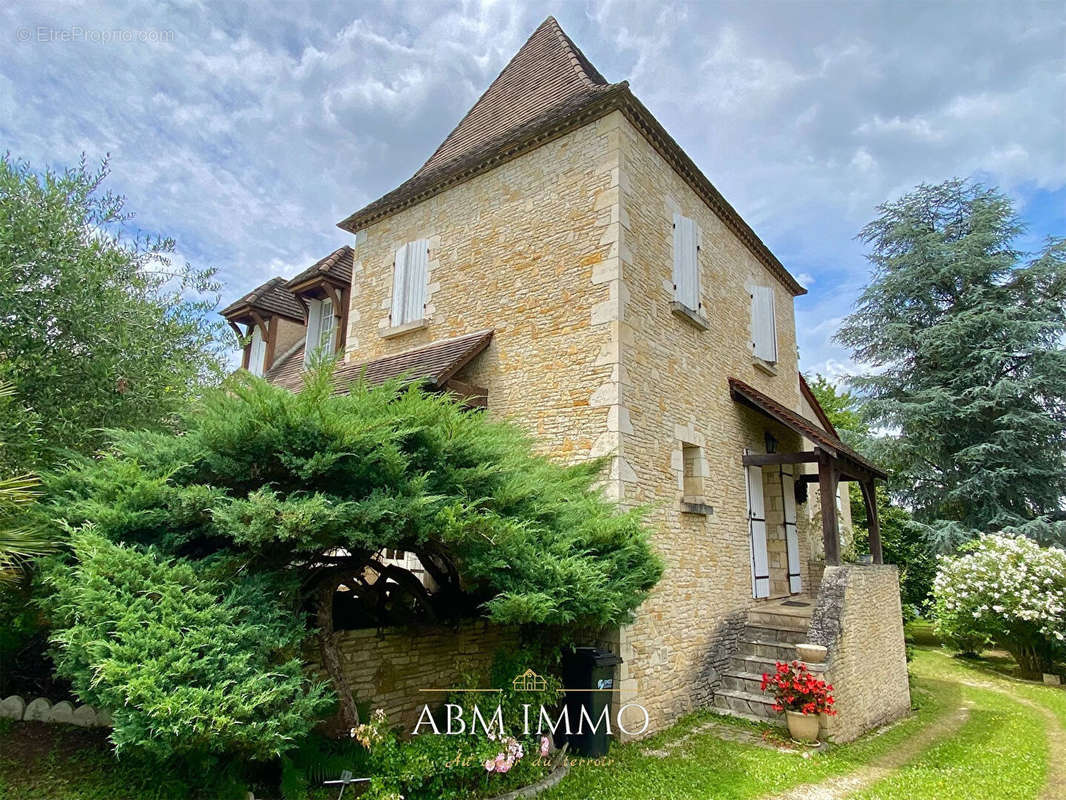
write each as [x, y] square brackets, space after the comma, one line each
[387, 668]
[858, 618]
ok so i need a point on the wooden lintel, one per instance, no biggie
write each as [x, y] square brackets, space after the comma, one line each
[766, 459]
[260, 322]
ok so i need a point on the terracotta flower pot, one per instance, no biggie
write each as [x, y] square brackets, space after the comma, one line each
[802, 727]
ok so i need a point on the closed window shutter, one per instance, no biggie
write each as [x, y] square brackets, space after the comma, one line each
[257, 356]
[763, 325]
[686, 262]
[760, 559]
[399, 286]
[417, 264]
[314, 324]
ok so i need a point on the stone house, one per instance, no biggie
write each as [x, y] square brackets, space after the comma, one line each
[560, 261]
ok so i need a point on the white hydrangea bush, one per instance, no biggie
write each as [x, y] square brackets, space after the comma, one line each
[1004, 590]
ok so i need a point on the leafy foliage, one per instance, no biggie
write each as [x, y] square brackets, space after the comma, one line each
[97, 329]
[280, 497]
[186, 662]
[279, 481]
[1006, 590]
[902, 542]
[963, 334]
[17, 542]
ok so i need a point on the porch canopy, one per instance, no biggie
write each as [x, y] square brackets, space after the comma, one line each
[836, 462]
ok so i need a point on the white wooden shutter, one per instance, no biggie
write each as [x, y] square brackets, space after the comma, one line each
[760, 561]
[399, 286]
[257, 356]
[763, 326]
[788, 489]
[417, 263]
[686, 262]
[314, 324]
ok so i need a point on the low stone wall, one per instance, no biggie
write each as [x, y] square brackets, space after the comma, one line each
[857, 616]
[387, 668]
[63, 712]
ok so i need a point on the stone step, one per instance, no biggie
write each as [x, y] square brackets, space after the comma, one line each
[770, 633]
[745, 703]
[772, 619]
[759, 648]
[759, 665]
[748, 682]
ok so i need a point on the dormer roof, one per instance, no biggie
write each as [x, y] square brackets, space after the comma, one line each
[547, 90]
[268, 299]
[336, 268]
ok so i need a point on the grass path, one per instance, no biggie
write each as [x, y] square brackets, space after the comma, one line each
[976, 734]
[842, 786]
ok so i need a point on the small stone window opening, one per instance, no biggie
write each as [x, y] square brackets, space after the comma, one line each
[693, 492]
[692, 458]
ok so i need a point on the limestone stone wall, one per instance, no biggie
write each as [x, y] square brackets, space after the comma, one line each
[522, 250]
[673, 391]
[857, 616]
[388, 668]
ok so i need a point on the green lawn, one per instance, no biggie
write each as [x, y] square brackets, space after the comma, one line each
[1001, 750]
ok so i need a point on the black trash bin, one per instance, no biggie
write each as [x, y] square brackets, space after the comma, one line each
[589, 677]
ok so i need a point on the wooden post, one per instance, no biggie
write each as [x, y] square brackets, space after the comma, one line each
[827, 485]
[869, 496]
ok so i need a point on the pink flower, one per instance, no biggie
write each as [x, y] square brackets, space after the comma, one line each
[545, 746]
[490, 765]
[503, 764]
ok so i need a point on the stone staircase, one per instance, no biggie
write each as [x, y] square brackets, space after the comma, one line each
[770, 635]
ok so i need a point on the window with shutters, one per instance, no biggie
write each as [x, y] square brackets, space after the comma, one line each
[409, 283]
[763, 324]
[687, 263]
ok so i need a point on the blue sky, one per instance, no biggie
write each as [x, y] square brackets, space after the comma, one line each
[247, 130]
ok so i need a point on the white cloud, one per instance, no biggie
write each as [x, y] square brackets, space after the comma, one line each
[259, 127]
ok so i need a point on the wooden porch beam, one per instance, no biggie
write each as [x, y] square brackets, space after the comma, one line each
[827, 485]
[766, 459]
[869, 496]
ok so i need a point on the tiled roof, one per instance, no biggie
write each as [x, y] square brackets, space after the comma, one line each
[273, 298]
[337, 265]
[751, 396]
[287, 369]
[546, 71]
[547, 90]
[431, 365]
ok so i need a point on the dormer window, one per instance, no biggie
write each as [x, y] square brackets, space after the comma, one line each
[261, 319]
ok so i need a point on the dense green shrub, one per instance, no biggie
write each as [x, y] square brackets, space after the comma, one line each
[186, 663]
[251, 514]
[1010, 591]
